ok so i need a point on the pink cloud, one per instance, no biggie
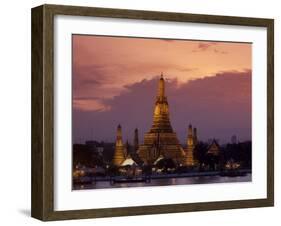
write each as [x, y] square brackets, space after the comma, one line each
[219, 106]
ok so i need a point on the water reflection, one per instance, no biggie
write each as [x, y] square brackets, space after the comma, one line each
[168, 181]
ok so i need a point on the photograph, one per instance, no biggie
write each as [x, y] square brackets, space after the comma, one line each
[160, 112]
[172, 110]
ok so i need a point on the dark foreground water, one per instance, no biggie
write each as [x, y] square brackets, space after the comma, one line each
[166, 181]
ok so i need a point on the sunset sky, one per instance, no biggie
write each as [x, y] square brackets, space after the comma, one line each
[115, 80]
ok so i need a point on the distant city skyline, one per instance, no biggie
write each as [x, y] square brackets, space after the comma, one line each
[114, 82]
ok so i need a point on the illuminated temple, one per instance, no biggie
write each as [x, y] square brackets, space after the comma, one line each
[160, 141]
[119, 154]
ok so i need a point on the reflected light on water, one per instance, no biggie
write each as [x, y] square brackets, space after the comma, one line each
[167, 181]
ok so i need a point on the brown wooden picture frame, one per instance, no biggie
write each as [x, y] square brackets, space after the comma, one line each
[42, 203]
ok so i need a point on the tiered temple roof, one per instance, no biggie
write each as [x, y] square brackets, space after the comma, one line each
[161, 139]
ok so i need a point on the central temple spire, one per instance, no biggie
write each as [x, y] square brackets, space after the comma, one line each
[161, 140]
[161, 87]
[161, 120]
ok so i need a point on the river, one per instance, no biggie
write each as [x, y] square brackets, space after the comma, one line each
[167, 181]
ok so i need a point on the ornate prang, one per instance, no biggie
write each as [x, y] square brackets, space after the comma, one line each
[161, 140]
[119, 155]
[191, 143]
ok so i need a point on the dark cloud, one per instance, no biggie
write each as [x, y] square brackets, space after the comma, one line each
[219, 51]
[182, 69]
[204, 46]
[83, 76]
[219, 106]
[86, 98]
[92, 80]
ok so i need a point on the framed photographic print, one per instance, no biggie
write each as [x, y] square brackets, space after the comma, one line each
[141, 112]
